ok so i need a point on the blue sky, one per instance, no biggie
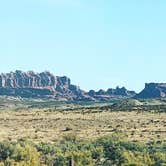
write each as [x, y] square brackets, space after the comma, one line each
[97, 43]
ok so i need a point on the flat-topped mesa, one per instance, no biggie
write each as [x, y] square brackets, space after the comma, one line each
[153, 90]
[155, 85]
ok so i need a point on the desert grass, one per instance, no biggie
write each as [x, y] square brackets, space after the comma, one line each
[42, 125]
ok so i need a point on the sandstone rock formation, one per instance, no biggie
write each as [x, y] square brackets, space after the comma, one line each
[153, 90]
[111, 93]
[39, 85]
[45, 84]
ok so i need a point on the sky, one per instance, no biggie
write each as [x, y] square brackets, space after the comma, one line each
[99, 44]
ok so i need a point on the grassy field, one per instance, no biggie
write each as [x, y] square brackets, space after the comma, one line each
[44, 125]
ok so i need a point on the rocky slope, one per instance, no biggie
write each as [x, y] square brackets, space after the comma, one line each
[153, 90]
[45, 84]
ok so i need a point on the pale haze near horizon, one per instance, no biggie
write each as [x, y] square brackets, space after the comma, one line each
[98, 44]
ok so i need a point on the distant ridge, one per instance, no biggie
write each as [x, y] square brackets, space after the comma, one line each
[46, 85]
